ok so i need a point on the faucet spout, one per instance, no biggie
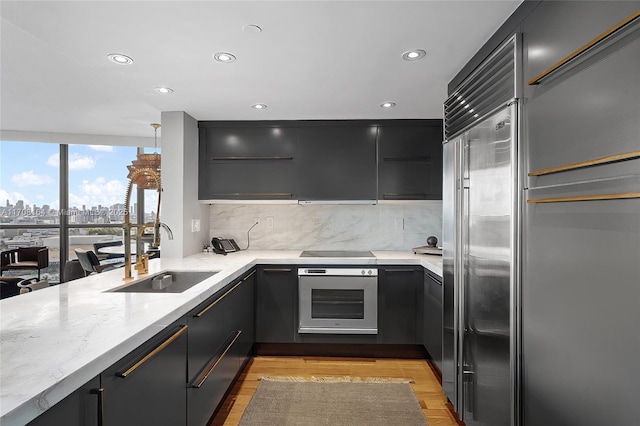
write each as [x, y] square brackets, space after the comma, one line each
[141, 261]
[167, 229]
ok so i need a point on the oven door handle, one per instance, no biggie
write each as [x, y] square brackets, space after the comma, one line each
[316, 271]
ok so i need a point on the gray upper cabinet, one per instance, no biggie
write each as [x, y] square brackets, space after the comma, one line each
[243, 160]
[321, 160]
[410, 160]
[337, 161]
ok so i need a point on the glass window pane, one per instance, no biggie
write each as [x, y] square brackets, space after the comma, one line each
[98, 183]
[29, 182]
[14, 238]
[29, 197]
[150, 196]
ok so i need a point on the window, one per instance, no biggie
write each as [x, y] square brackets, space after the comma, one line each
[32, 211]
[98, 183]
[30, 202]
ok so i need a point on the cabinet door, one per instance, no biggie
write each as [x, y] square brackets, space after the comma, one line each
[240, 318]
[566, 126]
[81, 408]
[276, 313]
[433, 317]
[410, 160]
[147, 386]
[246, 161]
[556, 29]
[397, 304]
[337, 161]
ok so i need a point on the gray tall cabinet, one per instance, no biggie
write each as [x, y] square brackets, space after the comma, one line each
[578, 327]
[581, 292]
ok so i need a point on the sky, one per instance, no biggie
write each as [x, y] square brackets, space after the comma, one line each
[97, 174]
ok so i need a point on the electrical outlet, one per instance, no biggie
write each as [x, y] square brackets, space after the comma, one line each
[399, 224]
[270, 223]
[195, 225]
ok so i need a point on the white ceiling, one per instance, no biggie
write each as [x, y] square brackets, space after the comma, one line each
[312, 60]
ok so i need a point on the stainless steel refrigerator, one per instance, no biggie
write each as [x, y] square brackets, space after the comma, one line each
[480, 247]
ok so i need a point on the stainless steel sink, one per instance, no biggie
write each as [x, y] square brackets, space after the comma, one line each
[173, 282]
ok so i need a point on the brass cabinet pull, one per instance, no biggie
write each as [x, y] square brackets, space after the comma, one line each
[250, 158]
[414, 159]
[155, 351]
[254, 194]
[572, 56]
[207, 371]
[100, 393]
[595, 162]
[400, 195]
[215, 302]
[597, 197]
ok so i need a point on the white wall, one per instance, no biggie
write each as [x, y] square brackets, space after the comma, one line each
[394, 226]
[179, 203]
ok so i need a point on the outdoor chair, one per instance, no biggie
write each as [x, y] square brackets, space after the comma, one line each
[24, 258]
[97, 246]
[90, 262]
[73, 270]
[27, 286]
[9, 287]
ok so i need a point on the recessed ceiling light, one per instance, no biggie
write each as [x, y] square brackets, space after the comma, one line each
[120, 59]
[258, 106]
[224, 57]
[413, 55]
[163, 90]
[387, 105]
[255, 29]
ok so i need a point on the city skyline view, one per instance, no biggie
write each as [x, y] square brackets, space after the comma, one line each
[97, 178]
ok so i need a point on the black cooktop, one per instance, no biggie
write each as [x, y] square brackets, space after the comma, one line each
[336, 253]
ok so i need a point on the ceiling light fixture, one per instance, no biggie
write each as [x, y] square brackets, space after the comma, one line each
[224, 57]
[120, 59]
[163, 90]
[258, 106]
[413, 55]
[387, 105]
[149, 162]
[255, 29]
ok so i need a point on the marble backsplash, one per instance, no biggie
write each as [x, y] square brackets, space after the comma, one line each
[387, 226]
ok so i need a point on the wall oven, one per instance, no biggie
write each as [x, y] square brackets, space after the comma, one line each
[338, 300]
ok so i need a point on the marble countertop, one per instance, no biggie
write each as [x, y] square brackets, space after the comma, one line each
[54, 340]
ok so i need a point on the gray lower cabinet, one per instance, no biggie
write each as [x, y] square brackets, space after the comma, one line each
[81, 408]
[221, 336]
[398, 304]
[146, 387]
[432, 317]
[276, 304]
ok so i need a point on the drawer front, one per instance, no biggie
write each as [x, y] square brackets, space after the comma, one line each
[207, 391]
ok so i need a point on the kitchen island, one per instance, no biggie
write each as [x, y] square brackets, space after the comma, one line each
[55, 340]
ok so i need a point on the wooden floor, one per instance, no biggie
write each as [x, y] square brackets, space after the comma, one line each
[426, 386]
